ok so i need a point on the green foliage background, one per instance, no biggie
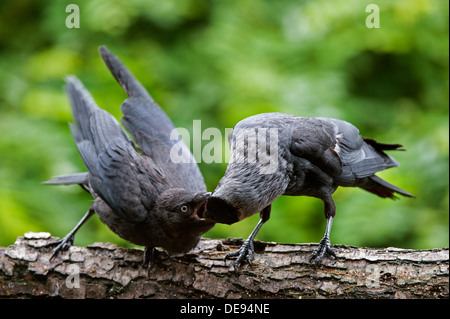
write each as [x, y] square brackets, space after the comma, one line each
[221, 61]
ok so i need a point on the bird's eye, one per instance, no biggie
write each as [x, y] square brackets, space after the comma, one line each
[184, 208]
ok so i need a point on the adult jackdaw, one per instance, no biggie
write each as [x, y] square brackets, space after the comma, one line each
[276, 154]
[140, 193]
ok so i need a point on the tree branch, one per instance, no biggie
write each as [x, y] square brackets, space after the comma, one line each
[279, 271]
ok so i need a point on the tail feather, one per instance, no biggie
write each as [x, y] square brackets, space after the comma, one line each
[81, 179]
[382, 146]
[380, 187]
[78, 178]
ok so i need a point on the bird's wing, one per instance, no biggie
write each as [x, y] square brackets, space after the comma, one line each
[126, 182]
[360, 157]
[83, 108]
[314, 140]
[117, 173]
[143, 118]
[151, 128]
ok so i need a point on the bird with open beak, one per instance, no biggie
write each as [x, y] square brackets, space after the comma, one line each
[140, 193]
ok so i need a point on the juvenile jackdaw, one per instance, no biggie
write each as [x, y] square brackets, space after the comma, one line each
[276, 154]
[140, 193]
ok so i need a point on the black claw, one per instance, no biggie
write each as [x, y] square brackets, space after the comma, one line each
[245, 252]
[323, 250]
[63, 244]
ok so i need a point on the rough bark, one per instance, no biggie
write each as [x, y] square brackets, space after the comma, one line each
[278, 271]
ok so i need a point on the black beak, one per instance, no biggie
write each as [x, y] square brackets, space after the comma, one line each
[220, 211]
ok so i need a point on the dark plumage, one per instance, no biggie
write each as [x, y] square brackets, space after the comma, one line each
[308, 156]
[140, 193]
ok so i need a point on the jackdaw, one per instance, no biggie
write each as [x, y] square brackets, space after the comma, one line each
[140, 193]
[276, 154]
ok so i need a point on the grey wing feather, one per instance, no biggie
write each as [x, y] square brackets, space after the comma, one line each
[116, 170]
[359, 159]
[124, 182]
[104, 127]
[89, 156]
[132, 86]
[83, 106]
[141, 113]
[150, 127]
[314, 140]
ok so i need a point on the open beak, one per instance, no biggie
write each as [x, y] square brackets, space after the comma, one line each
[200, 211]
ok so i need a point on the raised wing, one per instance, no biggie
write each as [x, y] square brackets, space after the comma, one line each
[143, 118]
[117, 173]
[152, 129]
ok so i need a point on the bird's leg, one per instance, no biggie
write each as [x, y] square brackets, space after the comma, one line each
[324, 246]
[247, 249]
[67, 241]
[149, 256]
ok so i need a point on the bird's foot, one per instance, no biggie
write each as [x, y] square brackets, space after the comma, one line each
[245, 252]
[323, 249]
[150, 256]
[62, 244]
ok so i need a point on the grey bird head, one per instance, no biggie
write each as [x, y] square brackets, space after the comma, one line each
[175, 224]
[178, 205]
[182, 215]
